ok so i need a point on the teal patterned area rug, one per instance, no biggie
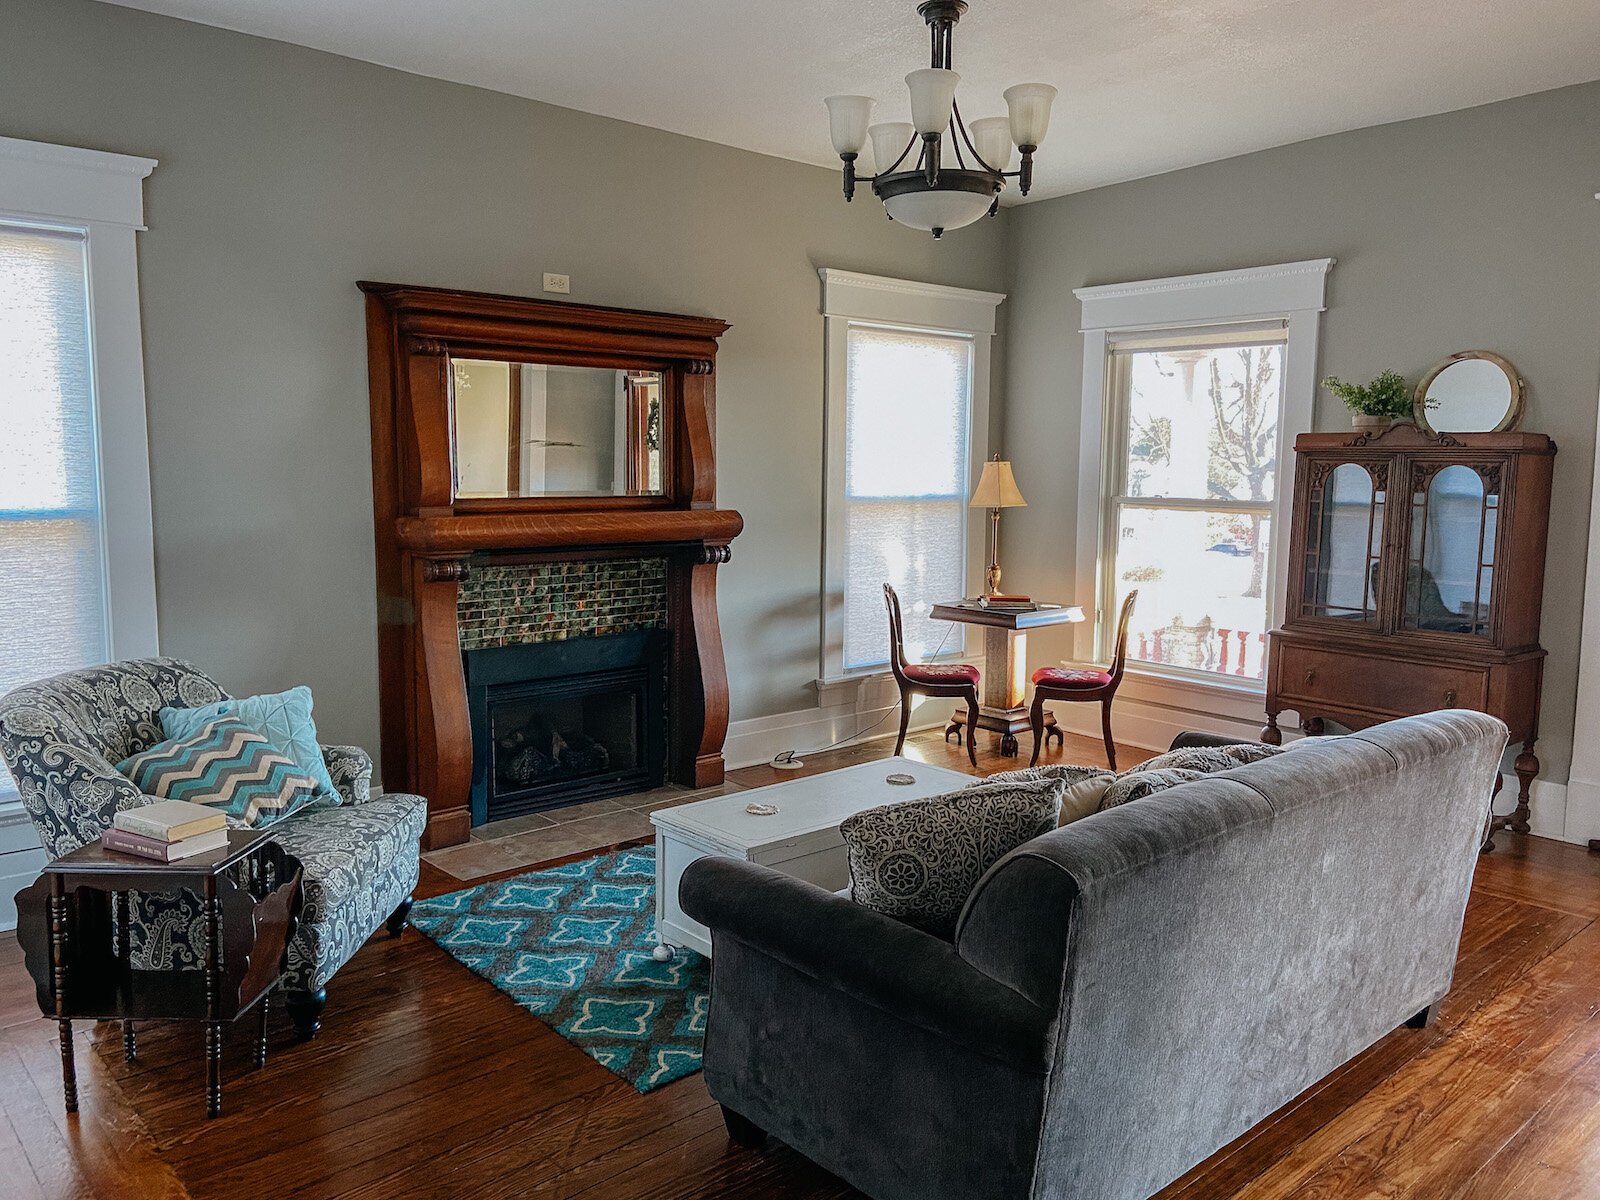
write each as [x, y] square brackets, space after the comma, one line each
[572, 945]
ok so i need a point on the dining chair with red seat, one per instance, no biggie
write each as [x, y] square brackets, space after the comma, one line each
[1083, 685]
[959, 680]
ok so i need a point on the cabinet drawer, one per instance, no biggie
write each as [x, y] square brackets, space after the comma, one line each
[1379, 684]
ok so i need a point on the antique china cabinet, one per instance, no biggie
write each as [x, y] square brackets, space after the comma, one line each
[1417, 570]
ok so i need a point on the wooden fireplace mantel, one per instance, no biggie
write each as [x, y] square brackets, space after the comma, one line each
[427, 540]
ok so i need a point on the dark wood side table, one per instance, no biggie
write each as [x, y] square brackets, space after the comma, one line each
[72, 923]
[1005, 664]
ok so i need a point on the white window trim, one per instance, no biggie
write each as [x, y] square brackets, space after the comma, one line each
[851, 297]
[103, 195]
[1294, 293]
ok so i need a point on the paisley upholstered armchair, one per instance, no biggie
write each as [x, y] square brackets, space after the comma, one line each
[60, 737]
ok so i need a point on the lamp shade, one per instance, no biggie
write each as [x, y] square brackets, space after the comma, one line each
[991, 138]
[1029, 106]
[847, 122]
[889, 141]
[933, 91]
[997, 487]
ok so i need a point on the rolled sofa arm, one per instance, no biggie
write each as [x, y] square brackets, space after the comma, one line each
[350, 768]
[874, 959]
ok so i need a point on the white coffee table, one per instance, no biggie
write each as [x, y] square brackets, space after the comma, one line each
[802, 839]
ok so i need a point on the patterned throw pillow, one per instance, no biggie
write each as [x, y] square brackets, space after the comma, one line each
[284, 718]
[1085, 786]
[1136, 785]
[918, 860]
[225, 764]
[1210, 758]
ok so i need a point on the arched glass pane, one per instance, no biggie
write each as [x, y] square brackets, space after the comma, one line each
[1344, 544]
[1454, 522]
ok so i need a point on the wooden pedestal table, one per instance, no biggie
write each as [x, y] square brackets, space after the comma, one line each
[1005, 666]
[72, 923]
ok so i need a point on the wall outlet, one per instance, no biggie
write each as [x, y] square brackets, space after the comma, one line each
[558, 283]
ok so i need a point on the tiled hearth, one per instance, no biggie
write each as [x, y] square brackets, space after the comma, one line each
[536, 838]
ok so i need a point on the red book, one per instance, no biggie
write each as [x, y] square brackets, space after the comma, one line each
[145, 847]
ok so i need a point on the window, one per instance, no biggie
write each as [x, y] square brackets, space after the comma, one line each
[50, 530]
[1194, 389]
[1189, 508]
[77, 579]
[908, 368]
[908, 407]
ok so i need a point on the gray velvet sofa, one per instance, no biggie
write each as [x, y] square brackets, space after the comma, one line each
[1124, 996]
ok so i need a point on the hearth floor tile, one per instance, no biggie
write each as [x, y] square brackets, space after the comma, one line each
[572, 837]
[578, 812]
[671, 797]
[473, 860]
[495, 830]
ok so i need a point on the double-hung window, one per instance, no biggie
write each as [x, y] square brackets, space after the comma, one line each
[1192, 480]
[907, 425]
[1193, 391]
[77, 579]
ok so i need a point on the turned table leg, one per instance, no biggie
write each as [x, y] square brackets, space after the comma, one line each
[213, 913]
[58, 980]
[261, 1031]
[130, 1040]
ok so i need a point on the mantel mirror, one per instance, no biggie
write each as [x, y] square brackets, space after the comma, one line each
[1474, 391]
[524, 429]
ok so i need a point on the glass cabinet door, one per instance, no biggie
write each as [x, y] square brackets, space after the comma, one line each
[1344, 543]
[1455, 514]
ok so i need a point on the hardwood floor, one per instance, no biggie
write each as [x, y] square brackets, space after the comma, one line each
[427, 1082]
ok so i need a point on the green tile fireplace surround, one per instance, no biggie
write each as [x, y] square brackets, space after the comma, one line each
[521, 604]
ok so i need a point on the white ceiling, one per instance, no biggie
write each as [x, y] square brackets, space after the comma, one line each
[1146, 85]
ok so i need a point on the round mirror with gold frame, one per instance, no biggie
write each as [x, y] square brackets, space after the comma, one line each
[1472, 391]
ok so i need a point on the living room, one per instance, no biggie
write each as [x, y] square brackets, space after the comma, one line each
[454, 369]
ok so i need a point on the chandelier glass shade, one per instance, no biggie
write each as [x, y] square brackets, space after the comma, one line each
[932, 172]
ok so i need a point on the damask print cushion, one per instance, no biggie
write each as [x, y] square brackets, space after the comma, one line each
[918, 860]
[1085, 786]
[226, 765]
[284, 718]
[1136, 785]
[1210, 758]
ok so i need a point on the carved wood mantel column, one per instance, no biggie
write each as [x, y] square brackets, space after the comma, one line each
[428, 539]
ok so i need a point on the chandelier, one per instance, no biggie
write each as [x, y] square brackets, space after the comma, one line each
[917, 181]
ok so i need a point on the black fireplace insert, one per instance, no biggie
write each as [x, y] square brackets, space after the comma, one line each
[556, 723]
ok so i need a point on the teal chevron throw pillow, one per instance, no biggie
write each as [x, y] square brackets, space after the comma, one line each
[284, 718]
[224, 764]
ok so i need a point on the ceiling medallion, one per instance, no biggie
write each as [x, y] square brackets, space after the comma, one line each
[916, 183]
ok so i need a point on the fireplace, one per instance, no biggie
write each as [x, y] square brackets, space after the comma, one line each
[556, 723]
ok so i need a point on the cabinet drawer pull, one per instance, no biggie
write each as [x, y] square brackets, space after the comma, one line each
[1450, 699]
[1311, 677]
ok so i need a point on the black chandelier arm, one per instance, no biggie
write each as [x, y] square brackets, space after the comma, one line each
[957, 123]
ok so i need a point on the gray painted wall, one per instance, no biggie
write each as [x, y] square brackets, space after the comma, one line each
[1476, 229]
[287, 174]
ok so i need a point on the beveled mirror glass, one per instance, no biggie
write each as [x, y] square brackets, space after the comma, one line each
[523, 430]
[1475, 391]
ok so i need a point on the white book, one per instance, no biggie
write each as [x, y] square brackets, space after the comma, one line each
[169, 820]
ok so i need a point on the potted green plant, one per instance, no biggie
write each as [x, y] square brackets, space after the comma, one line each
[1373, 406]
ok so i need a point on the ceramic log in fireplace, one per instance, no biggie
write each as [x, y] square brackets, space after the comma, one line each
[558, 483]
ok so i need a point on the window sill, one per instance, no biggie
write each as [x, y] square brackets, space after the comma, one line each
[1255, 689]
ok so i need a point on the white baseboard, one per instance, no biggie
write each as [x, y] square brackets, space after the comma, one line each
[871, 714]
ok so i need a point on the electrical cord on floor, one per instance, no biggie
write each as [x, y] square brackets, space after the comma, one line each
[785, 760]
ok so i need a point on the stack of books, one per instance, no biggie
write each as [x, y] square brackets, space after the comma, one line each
[167, 831]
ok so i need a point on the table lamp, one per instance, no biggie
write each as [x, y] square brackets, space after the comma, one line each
[997, 489]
